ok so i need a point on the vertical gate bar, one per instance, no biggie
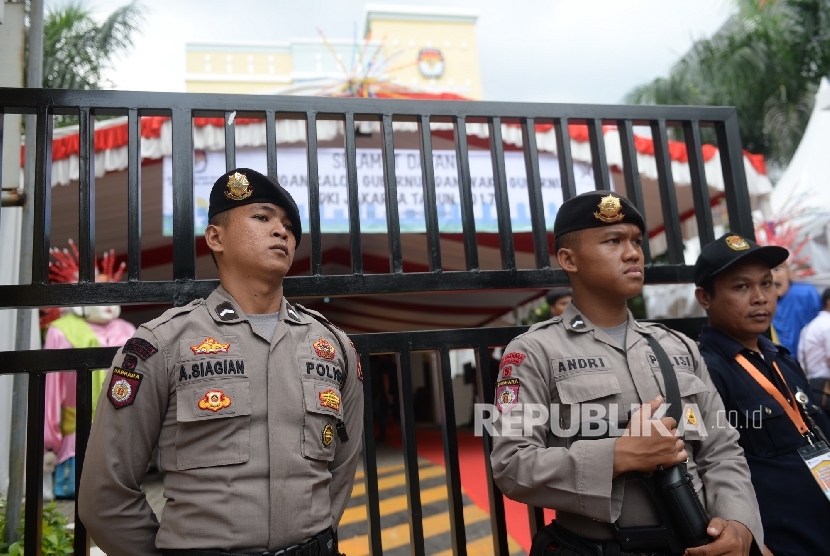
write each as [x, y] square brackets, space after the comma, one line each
[430, 204]
[354, 195]
[271, 142]
[631, 172]
[86, 196]
[370, 464]
[34, 463]
[410, 450]
[508, 252]
[536, 519]
[566, 161]
[534, 193]
[734, 177]
[133, 195]
[83, 421]
[486, 386]
[184, 249]
[230, 140]
[314, 195]
[2, 135]
[598, 160]
[393, 223]
[468, 221]
[449, 433]
[43, 196]
[668, 195]
[700, 189]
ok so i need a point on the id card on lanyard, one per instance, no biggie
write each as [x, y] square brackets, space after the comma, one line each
[816, 456]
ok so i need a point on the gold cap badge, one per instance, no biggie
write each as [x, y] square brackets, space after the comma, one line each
[328, 435]
[736, 243]
[238, 187]
[610, 210]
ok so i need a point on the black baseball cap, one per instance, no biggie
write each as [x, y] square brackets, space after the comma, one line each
[731, 248]
[594, 210]
[243, 186]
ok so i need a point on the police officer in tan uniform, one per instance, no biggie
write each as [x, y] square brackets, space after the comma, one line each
[593, 364]
[256, 406]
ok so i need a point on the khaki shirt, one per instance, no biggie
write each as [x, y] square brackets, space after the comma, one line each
[565, 363]
[246, 431]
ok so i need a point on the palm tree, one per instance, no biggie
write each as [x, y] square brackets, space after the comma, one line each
[766, 60]
[77, 49]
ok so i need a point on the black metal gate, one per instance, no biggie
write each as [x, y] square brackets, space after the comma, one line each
[86, 105]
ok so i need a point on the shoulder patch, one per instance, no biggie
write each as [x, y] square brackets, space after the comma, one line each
[507, 394]
[123, 387]
[140, 347]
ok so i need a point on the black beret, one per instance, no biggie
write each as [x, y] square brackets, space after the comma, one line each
[243, 186]
[730, 248]
[594, 210]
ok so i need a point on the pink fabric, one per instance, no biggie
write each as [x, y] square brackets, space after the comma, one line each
[60, 387]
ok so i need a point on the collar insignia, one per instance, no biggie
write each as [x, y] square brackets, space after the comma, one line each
[324, 349]
[328, 435]
[610, 210]
[210, 346]
[577, 323]
[238, 187]
[214, 400]
[225, 311]
[736, 243]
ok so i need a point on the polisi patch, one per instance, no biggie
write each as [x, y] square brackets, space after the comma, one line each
[140, 347]
[324, 349]
[512, 358]
[225, 311]
[330, 399]
[507, 394]
[214, 400]
[123, 387]
[210, 346]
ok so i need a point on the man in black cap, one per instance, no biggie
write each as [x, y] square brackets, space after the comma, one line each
[599, 371]
[256, 406]
[766, 394]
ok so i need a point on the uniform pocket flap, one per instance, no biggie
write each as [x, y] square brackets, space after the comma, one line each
[213, 399]
[322, 397]
[689, 384]
[590, 385]
[757, 409]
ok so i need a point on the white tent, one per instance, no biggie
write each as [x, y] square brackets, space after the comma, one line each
[806, 183]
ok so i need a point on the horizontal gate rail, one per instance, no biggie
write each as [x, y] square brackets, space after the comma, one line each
[182, 108]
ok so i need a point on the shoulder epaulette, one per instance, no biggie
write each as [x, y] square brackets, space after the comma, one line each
[169, 314]
[334, 330]
[544, 324]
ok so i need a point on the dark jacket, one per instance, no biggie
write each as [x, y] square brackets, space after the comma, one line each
[794, 511]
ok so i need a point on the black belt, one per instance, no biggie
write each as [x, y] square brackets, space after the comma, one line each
[322, 544]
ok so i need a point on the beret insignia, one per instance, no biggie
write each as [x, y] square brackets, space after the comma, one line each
[736, 243]
[238, 187]
[610, 210]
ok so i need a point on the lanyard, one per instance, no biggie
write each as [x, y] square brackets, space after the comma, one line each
[791, 408]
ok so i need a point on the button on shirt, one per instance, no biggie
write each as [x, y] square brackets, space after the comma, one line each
[569, 365]
[794, 511]
[246, 431]
[814, 348]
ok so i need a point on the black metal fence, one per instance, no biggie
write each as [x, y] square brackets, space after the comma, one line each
[182, 108]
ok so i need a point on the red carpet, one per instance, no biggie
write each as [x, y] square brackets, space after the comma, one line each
[473, 476]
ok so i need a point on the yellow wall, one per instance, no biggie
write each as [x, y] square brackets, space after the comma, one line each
[456, 41]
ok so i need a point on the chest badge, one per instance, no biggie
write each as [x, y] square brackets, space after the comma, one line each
[324, 349]
[691, 417]
[329, 399]
[214, 400]
[210, 346]
[238, 187]
[328, 435]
